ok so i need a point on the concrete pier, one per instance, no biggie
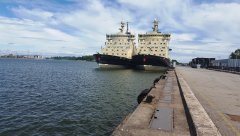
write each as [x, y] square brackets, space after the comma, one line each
[166, 101]
[219, 94]
[188, 102]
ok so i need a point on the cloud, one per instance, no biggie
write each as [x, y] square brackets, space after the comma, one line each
[35, 36]
[206, 29]
[198, 29]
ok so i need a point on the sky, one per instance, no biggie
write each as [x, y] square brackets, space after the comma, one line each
[198, 28]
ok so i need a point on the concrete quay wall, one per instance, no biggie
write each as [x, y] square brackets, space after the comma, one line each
[173, 111]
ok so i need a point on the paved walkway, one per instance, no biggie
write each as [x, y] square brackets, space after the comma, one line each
[219, 93]
[163, 116]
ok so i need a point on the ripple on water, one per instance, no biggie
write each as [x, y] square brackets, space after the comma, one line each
[49, 97]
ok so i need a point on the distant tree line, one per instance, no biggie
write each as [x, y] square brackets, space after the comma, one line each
[87, 58]
[235, 54]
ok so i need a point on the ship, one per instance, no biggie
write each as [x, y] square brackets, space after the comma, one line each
[152, 51]
[118, 50]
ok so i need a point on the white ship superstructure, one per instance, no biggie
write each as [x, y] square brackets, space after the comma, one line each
[154, 43]
[118, 50]
[121, 44]
[152, 51]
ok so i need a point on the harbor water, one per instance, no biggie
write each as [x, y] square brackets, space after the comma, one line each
[50, 97]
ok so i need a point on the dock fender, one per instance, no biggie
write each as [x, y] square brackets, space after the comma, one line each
[142, 95]
[156, 80]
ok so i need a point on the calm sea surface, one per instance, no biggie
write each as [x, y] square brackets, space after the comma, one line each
[49, 97]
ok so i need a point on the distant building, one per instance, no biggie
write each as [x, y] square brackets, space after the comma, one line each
[22, 56]
[203, 62]
[226, 64]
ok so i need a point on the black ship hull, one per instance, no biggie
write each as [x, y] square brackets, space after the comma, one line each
[109, 61]
[150, 62]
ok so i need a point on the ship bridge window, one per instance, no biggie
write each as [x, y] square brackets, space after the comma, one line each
[155, 50]
[161, 50]
[163, 47]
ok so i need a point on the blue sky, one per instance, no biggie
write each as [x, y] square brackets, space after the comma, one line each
[200, 28]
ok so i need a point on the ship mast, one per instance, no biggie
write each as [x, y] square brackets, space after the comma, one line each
[155, 25]
[127, 29]
[122, 27]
